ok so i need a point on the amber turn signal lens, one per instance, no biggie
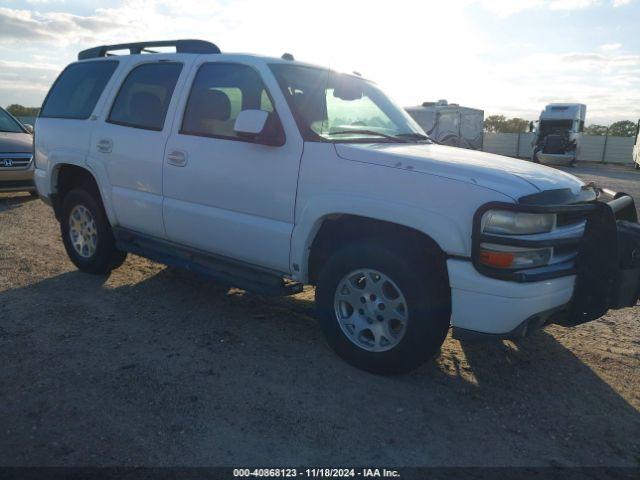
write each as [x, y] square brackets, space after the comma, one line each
[496, 259]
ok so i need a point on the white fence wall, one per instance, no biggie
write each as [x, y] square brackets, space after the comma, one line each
[591, 148]
[619, 149]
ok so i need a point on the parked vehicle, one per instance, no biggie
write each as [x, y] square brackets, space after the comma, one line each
[450, 124]
[636, 149]
[558, 133]
[269, 173]
[16, 154]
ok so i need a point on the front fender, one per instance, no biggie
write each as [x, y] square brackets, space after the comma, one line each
[443, 230]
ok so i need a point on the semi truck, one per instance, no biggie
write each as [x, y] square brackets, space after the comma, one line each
[558, 133]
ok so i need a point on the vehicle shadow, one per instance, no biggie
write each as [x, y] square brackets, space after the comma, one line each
[10, 201]
[173, 369]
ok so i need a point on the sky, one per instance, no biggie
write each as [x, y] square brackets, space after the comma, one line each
[508, 57]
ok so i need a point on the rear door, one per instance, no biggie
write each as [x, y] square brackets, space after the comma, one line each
[129, 141]
[225, 194]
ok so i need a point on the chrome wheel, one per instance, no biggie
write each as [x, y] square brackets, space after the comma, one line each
[371, 310]
[82, 231]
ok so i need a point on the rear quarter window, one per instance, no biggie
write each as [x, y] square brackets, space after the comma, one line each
[76, 91]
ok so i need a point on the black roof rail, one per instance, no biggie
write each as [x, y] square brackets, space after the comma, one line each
[182, 46]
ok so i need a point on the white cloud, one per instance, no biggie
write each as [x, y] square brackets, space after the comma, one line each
[607, 47]
[571, 4]
[620, 3]
[59, 27]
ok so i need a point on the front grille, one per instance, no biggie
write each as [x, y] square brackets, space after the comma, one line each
[15, 161]
[570, 218]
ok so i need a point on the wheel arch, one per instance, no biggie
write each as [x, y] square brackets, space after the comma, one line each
[67, 176]
[337, 230]
[432, 227]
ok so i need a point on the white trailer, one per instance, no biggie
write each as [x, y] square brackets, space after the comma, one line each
[558, 133]
[450, 124]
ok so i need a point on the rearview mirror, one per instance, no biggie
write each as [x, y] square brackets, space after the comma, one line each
[348, 89]
[250, 123]
[28, 127]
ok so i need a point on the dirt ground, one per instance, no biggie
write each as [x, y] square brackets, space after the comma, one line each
[154, 366]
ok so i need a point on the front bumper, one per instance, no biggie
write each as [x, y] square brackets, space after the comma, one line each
[605, 274]
[490, 306]
[558, 159]
[17, 180]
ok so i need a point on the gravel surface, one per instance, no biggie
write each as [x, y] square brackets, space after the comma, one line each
[154, 366]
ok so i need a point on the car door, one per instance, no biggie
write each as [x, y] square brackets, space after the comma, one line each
[129, 142]
[223, 193]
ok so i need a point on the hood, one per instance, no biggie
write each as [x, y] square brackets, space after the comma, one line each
[15, 142]
[506, 175]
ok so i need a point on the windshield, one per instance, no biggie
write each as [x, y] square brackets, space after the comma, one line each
[8, 124]
[330, 106]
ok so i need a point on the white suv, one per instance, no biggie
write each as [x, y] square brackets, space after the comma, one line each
[268, 174]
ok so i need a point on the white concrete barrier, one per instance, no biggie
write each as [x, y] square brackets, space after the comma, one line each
[592, 148]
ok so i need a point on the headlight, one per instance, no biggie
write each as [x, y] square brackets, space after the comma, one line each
[506, 257]
[504, 222]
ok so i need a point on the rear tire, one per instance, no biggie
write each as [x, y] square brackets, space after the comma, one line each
[420, 284]
[86, 233]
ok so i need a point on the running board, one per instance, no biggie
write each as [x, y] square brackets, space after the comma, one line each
[237, 274]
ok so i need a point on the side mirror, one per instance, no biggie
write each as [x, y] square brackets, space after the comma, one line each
[250, 123]
[29, 128]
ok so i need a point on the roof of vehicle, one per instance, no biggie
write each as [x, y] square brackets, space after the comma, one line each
[564, 111]
[185, 48]
[434, 106]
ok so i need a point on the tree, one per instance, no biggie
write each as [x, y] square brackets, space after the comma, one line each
[624, 128]
[21, 111]
[494, 123]
[598, 130]
[516, 125]
[500, 124]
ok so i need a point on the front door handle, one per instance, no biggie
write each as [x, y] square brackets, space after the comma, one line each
[105, 145]
[177, 158]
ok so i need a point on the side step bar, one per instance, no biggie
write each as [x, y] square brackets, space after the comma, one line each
[224, 270]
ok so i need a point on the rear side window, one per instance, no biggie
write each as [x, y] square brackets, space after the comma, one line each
[143, 99]
[77, 90]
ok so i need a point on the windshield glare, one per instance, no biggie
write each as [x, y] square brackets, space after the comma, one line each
[8, 124]
[336, 107]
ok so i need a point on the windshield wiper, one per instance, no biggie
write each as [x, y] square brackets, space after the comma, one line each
[417, 136]
[368, 132]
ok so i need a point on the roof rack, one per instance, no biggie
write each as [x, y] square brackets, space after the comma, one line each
[182, 46]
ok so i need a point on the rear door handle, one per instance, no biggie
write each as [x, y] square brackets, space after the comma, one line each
[105, 145]
[177, 158]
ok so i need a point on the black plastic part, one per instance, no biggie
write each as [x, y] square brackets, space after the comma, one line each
[608, 263]
[287, 56]
[182, 46]
[225, 270]
[560, 196]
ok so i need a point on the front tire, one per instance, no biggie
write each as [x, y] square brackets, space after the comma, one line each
[87, 235]
[383, 311]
